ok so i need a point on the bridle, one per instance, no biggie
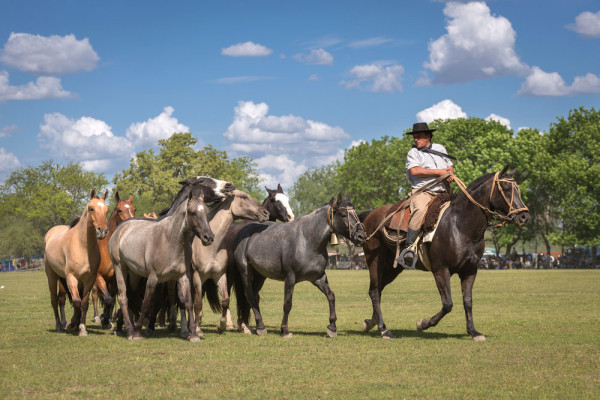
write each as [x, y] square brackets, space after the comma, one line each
[350, 211]
[512, 212]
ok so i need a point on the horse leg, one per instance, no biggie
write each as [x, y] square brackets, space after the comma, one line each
[442, 280]
[85, 303]
[222, 284]
[376, 285]
[73, 288]
[290, 281]
[108, 299]
[147, 304]
[323, 285]
[230, 324]
[62, 300]
[105, 319]
[198, 301]
[466, 283]
[123, 313]
[172, 305]
[53, 286]
[186, 299]
[247, 278]
[95, 303]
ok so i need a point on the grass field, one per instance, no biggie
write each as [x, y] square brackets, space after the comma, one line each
[542, 329]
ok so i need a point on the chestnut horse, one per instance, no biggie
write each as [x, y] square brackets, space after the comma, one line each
[72, 255]
[456, 247]
[106, 282]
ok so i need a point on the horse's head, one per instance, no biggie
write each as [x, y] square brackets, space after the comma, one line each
[97, 209]
[343, 219]
[124, 208]
[197, 216]
[278, 205]
[213, 189]
[244, 206]
[505, 196]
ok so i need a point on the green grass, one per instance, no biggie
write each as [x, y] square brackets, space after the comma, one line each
[543, 331]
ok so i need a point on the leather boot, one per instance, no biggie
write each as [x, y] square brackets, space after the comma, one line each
[408, 257]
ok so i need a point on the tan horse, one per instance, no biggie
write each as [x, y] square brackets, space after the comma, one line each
[106, 283]
[72, 256]
[210, 262]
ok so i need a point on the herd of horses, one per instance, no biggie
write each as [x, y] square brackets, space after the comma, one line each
[196, 248]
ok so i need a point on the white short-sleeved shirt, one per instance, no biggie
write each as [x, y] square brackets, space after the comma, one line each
[417, 158]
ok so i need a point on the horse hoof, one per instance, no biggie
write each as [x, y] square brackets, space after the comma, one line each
[194, 339]
[287, 335]
[331, 334]
[387, 334]
[479, 338]
[83, 334]
[97, 320]
[221, 327]
[261, 332]
[421, 324]
[366, 327]
[134, 338]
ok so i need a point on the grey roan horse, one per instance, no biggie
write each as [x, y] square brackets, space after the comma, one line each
[293, 252]
[160, 250]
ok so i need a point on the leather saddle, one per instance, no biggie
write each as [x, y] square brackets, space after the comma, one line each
[398, 222]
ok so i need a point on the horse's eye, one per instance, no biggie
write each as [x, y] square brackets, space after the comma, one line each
[91, 209]
[118, 210]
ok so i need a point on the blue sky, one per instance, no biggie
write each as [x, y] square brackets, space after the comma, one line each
[289, 83]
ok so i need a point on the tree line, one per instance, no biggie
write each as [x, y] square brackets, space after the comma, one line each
[558, 172]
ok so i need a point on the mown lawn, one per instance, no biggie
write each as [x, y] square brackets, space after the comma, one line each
[542, 329]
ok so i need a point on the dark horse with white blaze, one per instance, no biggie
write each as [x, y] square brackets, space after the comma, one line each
[293, 252]
[456, 247]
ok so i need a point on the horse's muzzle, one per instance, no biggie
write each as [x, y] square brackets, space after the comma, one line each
[522, 218]
[101, 233]
[359, 238]
[207, 239]
[264, 216]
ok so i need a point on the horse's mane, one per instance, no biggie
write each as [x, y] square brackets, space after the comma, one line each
[479, 181]
[74, 222]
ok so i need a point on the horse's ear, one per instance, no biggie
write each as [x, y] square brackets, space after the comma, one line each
[512, 173]
[93, 194]
[348, 199]
[117, 198]
[269, 190]
[130, 198]
[105, 195]
[504, 169]
[279, 189]
[339, 199]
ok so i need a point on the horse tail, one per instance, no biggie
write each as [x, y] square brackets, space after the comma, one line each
[63, 283]
[363, 215]
[242, 304]
[212, 295]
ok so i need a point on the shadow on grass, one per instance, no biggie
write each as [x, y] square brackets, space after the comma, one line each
[406, 333]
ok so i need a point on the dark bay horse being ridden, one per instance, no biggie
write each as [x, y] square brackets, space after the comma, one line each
[71, 255]
[106, 282]
[160, 250]
[456, 247]
[292, 253]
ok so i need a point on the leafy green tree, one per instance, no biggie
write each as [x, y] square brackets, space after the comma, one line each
[574, 176]
[314, 188]
[152, 178]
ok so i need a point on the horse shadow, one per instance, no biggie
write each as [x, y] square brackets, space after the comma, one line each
[409, 333]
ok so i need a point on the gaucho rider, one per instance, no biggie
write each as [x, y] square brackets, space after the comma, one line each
[425, 163]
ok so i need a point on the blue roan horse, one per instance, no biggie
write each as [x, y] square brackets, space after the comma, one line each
[293, 252]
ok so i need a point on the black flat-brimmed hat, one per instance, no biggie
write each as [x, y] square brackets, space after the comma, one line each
[420, 127]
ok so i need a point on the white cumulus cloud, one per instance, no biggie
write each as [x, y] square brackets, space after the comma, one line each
[478, 45]
[49, 55]
[378, 77]
[587, 24]
[154, 129]
[247, 49]
[283, 146]
[445, 109]
[87, 140]
[8, 130]
[45, 87]
[497, 118]
[8, 161]
[316, 57]
[550, 84]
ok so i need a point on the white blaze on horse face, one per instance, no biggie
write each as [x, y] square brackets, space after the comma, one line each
[200, 208]
[283, 199]
[128, 207]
